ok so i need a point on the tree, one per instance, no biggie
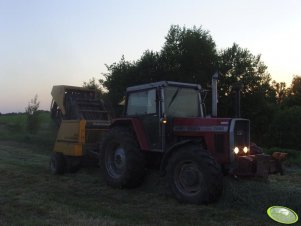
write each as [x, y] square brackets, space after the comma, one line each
[237, 65]
[281, 91]
[295, 88]
[188, 55]
[33, 122]
[286, 128]
[258, 97]
[119, 76]
[294, 93]
[92, 84]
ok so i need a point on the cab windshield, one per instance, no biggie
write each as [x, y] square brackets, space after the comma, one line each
[182, 102]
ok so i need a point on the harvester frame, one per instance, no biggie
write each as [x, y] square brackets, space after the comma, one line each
[82, 118]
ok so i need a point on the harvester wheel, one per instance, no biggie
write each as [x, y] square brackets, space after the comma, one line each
[57, 163]
[73, 163]
[122, 161]
[194, 176]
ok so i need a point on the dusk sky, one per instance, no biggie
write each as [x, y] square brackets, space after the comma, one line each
[45, 43]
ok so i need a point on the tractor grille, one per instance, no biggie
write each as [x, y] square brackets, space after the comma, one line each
[242, 133]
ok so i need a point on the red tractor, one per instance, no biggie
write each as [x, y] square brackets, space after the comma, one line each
[164, 126]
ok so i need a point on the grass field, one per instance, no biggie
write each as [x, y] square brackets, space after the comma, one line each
[30, 195]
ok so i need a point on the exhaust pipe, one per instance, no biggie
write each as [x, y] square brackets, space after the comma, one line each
[214, 94]
[237, 88]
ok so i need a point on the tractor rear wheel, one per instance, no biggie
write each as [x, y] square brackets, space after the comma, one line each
[122, 161]
[57, 163]
[194, 176]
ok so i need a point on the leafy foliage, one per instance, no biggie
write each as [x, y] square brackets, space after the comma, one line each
[293, 97]
[92, 84]
[239, 66]
[280, 90]
[190, 55]
[286, 128]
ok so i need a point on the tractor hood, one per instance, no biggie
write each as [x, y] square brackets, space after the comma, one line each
[197, 125]
[220, 136]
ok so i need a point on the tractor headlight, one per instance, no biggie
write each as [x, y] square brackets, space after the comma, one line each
[245, 150]
[236, 150]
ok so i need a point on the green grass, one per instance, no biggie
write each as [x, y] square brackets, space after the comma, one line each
[13, 127]
[12, 119]
[12, 124]
[30, 195]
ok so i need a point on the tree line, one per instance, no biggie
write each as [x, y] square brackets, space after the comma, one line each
[190, 55]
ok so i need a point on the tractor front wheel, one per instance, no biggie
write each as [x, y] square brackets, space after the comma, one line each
[121, 159]
[194, 176]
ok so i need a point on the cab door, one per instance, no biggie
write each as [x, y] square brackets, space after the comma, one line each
[144, 105]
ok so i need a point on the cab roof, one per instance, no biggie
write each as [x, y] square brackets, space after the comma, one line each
[163, 84]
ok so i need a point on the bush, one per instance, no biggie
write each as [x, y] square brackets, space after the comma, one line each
[286, 128]
[33, 121]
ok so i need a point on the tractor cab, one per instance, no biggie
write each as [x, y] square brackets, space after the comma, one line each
[157, 104]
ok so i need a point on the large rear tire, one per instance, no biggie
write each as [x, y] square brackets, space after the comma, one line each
[122, 161]
[194, 176]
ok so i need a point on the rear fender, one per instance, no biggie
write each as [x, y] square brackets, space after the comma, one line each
[138, 129]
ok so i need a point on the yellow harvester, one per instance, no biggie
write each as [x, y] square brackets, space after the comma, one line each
[82, 118]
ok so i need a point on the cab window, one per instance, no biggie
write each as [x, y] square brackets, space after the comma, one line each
[141, 103]
[182, 102]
